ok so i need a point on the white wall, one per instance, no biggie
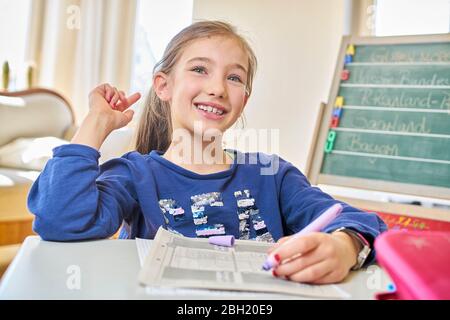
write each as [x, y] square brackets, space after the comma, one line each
[296, 42]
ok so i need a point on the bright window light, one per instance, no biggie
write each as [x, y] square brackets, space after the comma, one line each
[409, 17]
[157, 21]
[14, 22]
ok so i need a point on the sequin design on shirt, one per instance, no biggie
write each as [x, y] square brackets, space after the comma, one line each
[249, 213]
[199, 203]
[245, 205]
[170, 207]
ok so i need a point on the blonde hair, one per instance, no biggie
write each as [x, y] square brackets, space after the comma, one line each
[155, 127]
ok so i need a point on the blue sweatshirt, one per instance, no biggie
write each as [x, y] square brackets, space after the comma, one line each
[260, 197]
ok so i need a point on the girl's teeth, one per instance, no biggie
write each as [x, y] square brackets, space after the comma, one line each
[210, 109]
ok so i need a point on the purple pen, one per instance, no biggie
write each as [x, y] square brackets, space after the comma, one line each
[318, 224]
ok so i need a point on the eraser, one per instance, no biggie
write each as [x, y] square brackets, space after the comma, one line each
[224, 241]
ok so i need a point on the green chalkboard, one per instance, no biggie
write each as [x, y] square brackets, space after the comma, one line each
[392, 132]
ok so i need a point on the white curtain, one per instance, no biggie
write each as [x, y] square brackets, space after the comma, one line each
[77, 44]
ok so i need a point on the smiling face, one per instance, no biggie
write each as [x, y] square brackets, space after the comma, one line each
[208, 84]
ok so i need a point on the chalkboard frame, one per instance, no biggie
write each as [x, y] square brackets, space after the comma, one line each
[314, 174]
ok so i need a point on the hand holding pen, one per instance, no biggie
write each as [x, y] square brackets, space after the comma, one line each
[314, 257]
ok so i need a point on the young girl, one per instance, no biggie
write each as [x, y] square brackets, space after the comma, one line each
[201, 85]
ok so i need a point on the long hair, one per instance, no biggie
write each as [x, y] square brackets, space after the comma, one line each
[155, 126]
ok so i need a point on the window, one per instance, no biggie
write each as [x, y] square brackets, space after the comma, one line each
[14, 22]
[408, 17]
[157, 22]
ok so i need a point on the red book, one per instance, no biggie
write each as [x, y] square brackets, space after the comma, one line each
[395, 221]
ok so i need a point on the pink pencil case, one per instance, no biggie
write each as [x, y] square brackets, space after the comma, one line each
[418, 263]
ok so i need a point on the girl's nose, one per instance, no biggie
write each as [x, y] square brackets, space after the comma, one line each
[216, 88]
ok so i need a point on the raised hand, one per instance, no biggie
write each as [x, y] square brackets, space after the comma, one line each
[108, 111]
[112, 104]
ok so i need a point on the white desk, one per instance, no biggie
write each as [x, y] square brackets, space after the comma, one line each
[108, 269]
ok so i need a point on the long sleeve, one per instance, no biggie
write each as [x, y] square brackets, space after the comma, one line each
[301, 203]
[75, 199]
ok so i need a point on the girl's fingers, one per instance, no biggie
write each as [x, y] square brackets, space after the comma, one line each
[127, 117]
[125, 103]
[109, 92]
[122, 104]
[133, 98]
[114, 99]
[129, 114]
[278, 243]
[313, 273]
[300, 263]
[123, 98]
[331, 277]
[298, 245]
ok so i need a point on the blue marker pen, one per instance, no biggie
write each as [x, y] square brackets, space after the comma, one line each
[318, 224]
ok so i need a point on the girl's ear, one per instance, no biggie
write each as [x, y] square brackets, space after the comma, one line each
[245, 102]
[245, 99]
[161, 86]
[243, 106]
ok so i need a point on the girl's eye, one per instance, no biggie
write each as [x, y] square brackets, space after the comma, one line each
[235, 78]
[199, 69]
